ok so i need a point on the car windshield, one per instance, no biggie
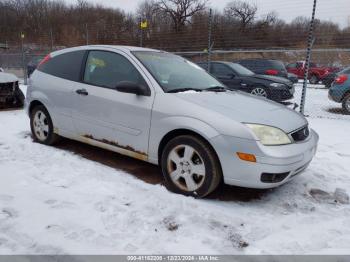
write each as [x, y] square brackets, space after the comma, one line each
[174, 73]
[241, 70]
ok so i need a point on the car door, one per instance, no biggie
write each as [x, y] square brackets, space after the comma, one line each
[226, 75]
[104, 115]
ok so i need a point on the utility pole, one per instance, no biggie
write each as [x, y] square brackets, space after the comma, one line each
[51, 38]
[143, 26]
[310, 43]
[141, 32]
[23, 59]
[87, 34]
[209, 39]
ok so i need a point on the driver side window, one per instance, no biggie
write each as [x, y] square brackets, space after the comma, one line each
[107, 69]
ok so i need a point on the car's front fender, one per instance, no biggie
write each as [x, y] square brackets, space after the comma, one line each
[160, 128]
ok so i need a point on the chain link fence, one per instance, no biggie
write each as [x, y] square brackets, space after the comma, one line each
[328, 85]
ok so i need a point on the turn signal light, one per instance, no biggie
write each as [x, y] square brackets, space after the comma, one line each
[246, 157]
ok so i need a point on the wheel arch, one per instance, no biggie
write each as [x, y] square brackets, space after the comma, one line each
[180, 132]
[33, 104]
[345, 95]
[314, 73]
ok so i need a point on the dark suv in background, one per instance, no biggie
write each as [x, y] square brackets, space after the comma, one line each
[268, 67]
[237, 77]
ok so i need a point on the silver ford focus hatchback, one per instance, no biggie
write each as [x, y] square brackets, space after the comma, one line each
[163, 109]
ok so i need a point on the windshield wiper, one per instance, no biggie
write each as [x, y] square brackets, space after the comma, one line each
[184, 90]
[216, 89]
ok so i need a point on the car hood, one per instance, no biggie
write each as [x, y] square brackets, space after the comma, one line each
[246, 108]
[275, 79]
[7, 78]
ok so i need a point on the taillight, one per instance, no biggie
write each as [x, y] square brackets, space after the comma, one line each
[341, 79]
[272, 72]
[46, 58]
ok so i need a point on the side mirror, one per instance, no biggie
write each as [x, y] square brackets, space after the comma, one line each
[133, 88]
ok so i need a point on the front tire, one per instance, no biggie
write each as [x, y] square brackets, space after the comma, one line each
[190, 167]
[41, 126]
[346, 104]
[261, 91]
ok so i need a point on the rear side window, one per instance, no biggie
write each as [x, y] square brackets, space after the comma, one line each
[67, 65]
[107, 69]
[294, 65]
[278, 65]
[250, 64]
[221, 70]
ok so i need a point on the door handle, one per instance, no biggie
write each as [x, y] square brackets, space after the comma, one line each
[82, 92]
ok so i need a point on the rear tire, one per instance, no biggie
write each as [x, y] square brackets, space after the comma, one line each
[314, 80]
[346, 104]
[190, 167]
[41, 126]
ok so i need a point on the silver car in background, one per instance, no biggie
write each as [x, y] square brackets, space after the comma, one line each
[163, 109]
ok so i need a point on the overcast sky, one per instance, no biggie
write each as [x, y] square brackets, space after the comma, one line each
[334, 10]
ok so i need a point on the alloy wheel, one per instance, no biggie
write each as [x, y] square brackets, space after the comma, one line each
[186, 168]
[259, 91]
[41, 125]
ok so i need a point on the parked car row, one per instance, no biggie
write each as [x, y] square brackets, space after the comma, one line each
[317, 73]
[163, 109]
[268, 67]
[292, 71]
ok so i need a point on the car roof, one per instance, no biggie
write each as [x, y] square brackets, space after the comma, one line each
[259, 59]
[106, 47]
[220, 62]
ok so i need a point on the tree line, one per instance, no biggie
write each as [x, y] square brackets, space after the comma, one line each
[174, 25]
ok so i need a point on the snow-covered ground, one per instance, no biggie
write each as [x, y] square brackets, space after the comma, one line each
[55, 201]
[317, 104]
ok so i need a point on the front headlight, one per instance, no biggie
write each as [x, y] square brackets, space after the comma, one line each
[277, 85]
[270, 136]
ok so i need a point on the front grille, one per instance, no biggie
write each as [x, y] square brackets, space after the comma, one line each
[301, 134]
[7, 89]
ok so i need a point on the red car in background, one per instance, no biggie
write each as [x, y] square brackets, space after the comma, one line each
[316, 73]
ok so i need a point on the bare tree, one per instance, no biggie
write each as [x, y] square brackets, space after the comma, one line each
[181, 11]
[242, 11]
[270, 18]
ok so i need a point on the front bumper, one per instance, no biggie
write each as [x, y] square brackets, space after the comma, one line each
[10, 95]
[288, 160]
[282, 94]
